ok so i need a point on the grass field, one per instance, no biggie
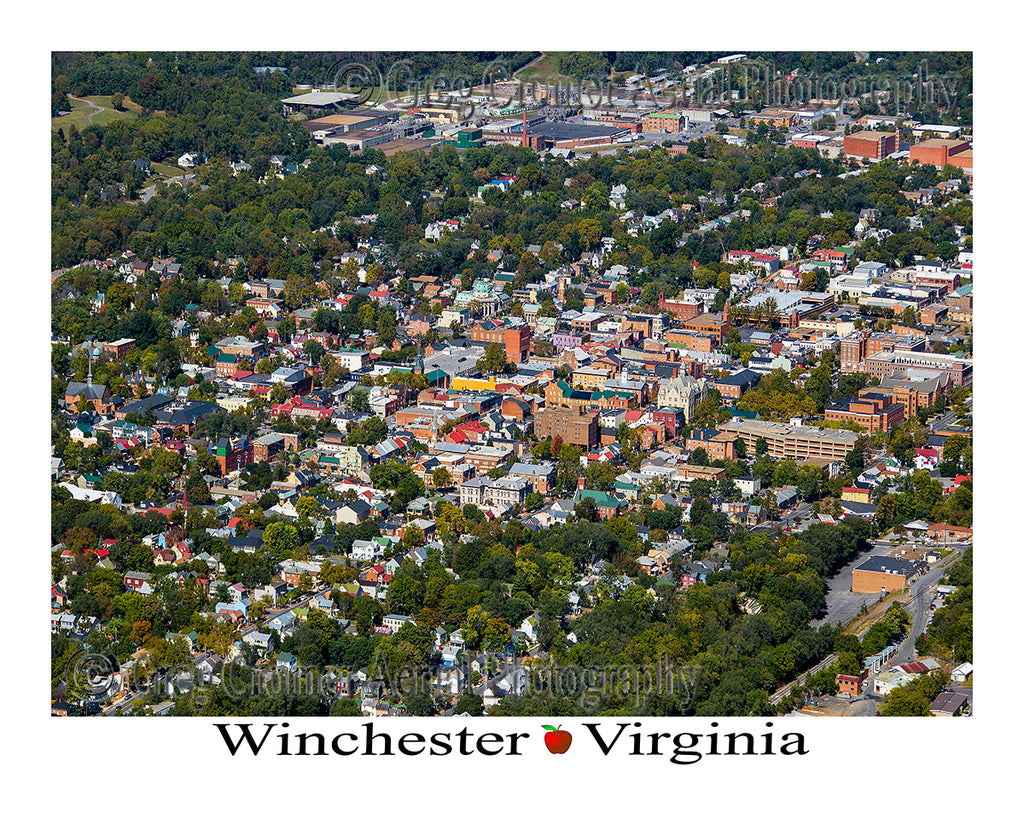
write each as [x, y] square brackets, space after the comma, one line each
[79, 111]
[546, 68]
[166, 170]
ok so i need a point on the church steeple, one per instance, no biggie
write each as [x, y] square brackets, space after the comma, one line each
[417, 366]
[89, 354]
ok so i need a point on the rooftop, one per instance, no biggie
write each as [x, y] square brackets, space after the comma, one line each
[888, 565]
[872, 136]
[572, 130]
[319, 98]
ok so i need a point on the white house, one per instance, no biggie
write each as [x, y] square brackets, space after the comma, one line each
[366, 550]
[395, 621]
[961, 673]
[529, 628]
[190, 159]
[748, 485]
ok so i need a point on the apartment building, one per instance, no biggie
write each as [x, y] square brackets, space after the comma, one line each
[874, 410]
[572, 426]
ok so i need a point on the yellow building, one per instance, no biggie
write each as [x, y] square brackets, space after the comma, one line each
[233, 402]
[589, 378]
[442, 115]
[474, 383]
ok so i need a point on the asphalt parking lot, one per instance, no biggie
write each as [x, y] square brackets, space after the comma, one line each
[842, 605]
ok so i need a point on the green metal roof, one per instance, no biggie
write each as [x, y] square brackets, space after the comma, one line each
[599, 498]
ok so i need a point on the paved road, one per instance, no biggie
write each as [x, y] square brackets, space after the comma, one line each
[530, 64]
[149, 192]
[843, 605]
[923, 590]
[88, 117]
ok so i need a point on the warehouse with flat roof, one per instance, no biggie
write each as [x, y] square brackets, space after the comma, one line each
[320, 100]
[880, 574]
[574, 134]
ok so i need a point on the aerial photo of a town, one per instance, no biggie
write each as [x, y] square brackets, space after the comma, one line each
[523, 383]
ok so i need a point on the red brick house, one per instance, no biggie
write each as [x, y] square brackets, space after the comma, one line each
[851, 684]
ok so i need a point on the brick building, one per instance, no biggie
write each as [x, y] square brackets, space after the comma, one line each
[672, 418]
[699, 342]
[515, 340]
[608, 506]
[83, 395]
[572, 426]
[680, 308]
[232, 454]
[266, 307]
[711, 324]
[118, 349]
[871, 144]
[934, 314]
[897, 362]
[717, 444]
[852, 684]
[915, 393]
[240, 346]
[883, 574]
[733, 386]
[664, 122]
[946, 280]
[768, 262]
[268, 448]
[937, 152]
[561, 394]
[540, 476]
[875, 411]
[855, 349]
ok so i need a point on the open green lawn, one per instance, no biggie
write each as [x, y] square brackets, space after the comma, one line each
[166, 170]
[79, 111]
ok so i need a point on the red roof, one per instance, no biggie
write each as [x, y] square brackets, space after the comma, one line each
[100, 553]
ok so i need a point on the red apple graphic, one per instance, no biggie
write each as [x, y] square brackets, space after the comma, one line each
[557, 740]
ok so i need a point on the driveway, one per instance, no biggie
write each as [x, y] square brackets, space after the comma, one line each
[95, 108]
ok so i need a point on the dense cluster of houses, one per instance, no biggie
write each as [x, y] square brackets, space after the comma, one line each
[586, 360]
